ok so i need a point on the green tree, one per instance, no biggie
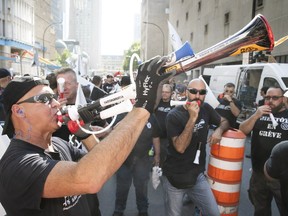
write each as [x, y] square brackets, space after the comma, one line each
[135, 48]
[61, 59]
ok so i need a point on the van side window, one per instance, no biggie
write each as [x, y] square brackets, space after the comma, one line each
[271, 82]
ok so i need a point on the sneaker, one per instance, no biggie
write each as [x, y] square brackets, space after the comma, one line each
[117, 214]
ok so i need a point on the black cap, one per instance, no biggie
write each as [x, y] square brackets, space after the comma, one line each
[125, 81]
[15, 90]
[4, 73]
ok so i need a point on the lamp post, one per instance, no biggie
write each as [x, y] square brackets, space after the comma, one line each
[157, 26]
[43, 42]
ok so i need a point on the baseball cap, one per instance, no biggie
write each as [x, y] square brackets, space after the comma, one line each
[4, 73]
[180, 88]
[15, 90]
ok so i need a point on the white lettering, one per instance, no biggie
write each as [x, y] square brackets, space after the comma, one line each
[145, 85]
[270, 134]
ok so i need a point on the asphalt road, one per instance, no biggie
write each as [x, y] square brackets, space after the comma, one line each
[156, 206]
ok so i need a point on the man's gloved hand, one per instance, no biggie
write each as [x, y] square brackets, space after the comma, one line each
[149, 83]
[76, 130]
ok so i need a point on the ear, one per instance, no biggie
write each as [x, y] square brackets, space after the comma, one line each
[18, 110]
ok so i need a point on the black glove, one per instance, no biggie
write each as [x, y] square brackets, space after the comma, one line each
[149, 83]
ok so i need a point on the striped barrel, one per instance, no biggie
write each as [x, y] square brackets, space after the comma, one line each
[228, 210]
[231, 146]
[225, 194]
[225, 171]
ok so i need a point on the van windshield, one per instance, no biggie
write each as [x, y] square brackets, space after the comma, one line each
[285, 80]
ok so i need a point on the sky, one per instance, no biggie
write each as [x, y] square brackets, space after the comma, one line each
[118, 25]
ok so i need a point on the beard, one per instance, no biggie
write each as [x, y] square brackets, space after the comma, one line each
[277, 108]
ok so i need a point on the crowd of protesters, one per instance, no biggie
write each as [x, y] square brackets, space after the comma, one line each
[62, 172]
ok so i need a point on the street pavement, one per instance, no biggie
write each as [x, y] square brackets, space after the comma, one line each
[156, 204]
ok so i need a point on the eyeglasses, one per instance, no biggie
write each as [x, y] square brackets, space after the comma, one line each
[43, 98]
[273, 97]
[227, 91]
[195, 91]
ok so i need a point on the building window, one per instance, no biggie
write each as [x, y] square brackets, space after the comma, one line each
[206, 29]
[259, 3]
[177, 23]
[199, 6]
[226, 18]
[281, 59]
[187, 16]
[191, 37]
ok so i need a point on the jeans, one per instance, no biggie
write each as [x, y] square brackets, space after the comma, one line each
[261, 193]
[201, 195]
[138, 171]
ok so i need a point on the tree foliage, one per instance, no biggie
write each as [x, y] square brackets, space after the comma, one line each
[61, 59]
[135, 48]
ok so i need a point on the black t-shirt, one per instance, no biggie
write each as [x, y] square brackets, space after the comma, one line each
[176, 122]
[224, 110]
[2, 110]
[277, 167]
[161, 112]
[108, 87]
[24, 168]
[144, 142]
[265, 137]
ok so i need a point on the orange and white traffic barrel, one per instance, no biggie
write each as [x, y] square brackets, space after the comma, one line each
[225, 171]
[228, 210]
[225, 194]
[231, 146]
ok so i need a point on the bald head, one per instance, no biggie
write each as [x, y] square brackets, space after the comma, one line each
[197, 83]
[196, 90]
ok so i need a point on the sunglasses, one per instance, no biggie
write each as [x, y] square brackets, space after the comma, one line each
[43, 98]
[195, 91]
[273, 97]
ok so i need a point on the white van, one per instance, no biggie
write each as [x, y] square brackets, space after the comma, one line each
[248, 80]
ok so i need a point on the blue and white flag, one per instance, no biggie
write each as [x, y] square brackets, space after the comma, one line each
[174, 37]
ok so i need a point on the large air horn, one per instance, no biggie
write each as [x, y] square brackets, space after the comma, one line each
[255, 36]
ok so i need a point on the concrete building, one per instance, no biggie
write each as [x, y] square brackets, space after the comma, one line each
[16, 32]
[154, 29]
[48, 21]
[205, 23]
[22, 30]
[85, 27]
[111, 64]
